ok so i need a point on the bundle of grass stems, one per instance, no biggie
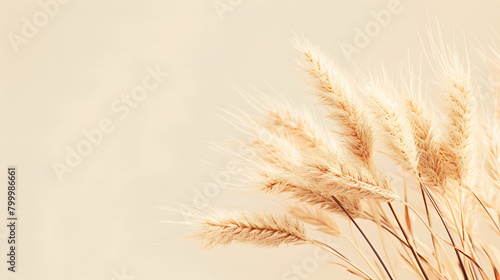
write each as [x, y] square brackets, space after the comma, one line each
[327, 174]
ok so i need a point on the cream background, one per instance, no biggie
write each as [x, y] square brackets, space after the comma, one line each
[101, 218]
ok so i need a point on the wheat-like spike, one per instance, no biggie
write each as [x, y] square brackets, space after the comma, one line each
[457, 147]
[298, 128]
[332, 90]
[334, 179]
[315, 216]
[397, 130]
[299, 190]
[341, 180]
[289, 143]
[273, 149]
[336, 171]
[327, 174]
[430, 164]
[264, 230]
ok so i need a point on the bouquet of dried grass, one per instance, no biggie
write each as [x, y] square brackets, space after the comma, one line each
[454, 168]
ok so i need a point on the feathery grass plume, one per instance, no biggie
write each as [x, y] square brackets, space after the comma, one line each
[326, 173]
[273, 149]
[264, 230]
[330, 176]
[458, 148]
[430, 164]
[279, 170]
[458, 144]
[323, 162]
[397, 130]
[332, 90]
[336, 177]
[301, 191]
[299, 128]
[315, 216]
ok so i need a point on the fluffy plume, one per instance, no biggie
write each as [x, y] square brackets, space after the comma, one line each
[332, 90]
[430, 164]
[301, 191]
[457, 147]
[264, 230]
[397, 130]
[320, 219]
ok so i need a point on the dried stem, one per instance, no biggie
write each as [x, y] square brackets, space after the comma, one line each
[462, 268]
[412, 248]
[366, 238]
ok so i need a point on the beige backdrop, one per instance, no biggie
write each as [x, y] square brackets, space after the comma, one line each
[98, 68]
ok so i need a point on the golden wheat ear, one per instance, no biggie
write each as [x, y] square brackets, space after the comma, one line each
[457, 92]
[430, 162]
[299, 190]
[299, 128]
[334, 93]
[315, 216]
[264, 230]
[397, 132]
[293, 158]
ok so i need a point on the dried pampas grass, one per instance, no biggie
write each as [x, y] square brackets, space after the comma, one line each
[430, 220]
